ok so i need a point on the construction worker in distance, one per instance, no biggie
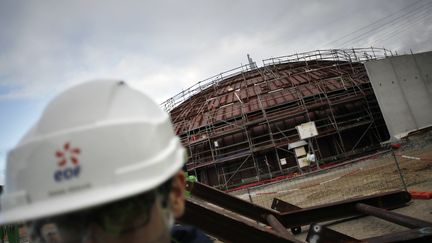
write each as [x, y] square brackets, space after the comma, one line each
[101, 165]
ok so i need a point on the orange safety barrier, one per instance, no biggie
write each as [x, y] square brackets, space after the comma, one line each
[421, 195]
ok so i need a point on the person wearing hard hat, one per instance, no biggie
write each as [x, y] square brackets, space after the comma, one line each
[101, 165]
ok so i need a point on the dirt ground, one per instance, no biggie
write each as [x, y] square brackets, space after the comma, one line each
[358, 179]
[376, 174]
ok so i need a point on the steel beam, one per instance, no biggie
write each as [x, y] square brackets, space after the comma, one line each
[306, 216]
[229, 202]
[421, 235]
[282, 206]
[341, 209]
[232, 228]
[321, 234]
[214, 222]
[279, 228]
[393, 217]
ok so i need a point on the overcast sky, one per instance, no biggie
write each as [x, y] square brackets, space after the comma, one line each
[162, 47]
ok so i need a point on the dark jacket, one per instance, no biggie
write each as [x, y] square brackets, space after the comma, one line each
[188, 234]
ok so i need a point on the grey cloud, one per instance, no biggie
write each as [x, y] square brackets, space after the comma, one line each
[164, 45]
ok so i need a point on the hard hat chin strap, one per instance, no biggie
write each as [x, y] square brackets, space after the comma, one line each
[168, 218]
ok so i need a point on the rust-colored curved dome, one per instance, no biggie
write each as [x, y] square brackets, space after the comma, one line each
[237, 126]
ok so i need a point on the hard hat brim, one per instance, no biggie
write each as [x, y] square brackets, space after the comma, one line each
[89, 198]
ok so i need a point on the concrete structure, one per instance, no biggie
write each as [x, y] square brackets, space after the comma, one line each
[237, 125]
[403, 87]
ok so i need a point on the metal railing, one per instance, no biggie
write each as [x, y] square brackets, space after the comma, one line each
[344, 55]
[182, 96]
[347, 55]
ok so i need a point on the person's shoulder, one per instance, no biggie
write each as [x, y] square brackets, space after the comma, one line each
[188, 234]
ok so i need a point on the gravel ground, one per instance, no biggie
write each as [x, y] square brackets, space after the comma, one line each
[366, 227]
[366, 177]
[359, 179]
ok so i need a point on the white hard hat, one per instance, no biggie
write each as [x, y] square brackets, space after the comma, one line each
[95, 143]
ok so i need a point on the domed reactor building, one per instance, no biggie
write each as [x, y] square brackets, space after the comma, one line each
[239, 127]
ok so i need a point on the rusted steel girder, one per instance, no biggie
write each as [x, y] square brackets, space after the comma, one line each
[284, 207]
[341, 209]
[224, 227]
[422, 230]
[219, 223]
[229, 202]
[300, 217]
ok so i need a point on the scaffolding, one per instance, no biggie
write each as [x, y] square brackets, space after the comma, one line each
[237, 125]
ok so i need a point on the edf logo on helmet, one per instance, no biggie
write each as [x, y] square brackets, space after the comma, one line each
[65, 155]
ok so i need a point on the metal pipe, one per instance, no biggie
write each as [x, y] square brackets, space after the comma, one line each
[392, 216]
[342, 209]
[279, 228]
[414, 235]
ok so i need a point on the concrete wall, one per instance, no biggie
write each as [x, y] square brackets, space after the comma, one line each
[403, 87]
